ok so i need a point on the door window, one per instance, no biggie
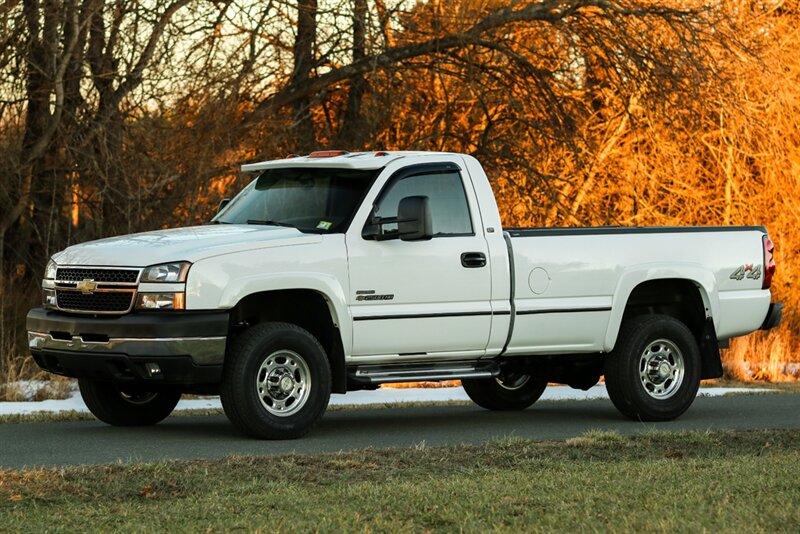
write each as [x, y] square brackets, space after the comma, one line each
[448, 202]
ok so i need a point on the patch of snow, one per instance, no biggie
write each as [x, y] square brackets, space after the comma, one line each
[74, 403]
[29, 389]
[377, 397]
[26, 388]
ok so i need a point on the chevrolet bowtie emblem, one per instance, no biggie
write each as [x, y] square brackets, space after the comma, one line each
[86, 286]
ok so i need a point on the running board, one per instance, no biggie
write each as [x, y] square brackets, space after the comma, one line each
[382, 374]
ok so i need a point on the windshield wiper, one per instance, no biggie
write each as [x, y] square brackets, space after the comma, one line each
[270, 223]
[218, 222]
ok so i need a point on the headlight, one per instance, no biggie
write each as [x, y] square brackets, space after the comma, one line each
[167, 272]
[161, 301]
[50, 270]
[48, 286]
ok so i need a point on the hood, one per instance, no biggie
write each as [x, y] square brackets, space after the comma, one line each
[181, 244]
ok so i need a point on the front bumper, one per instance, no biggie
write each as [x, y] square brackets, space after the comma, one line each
[774, 316]
[170, 348]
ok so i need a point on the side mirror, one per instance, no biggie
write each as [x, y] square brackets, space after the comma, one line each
[414, 222]
[222, 203]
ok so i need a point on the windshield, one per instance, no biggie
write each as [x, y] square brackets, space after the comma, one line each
[319, 200]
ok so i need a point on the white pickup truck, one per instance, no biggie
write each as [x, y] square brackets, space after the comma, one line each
[341, 271]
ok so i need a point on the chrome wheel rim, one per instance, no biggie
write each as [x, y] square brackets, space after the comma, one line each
[283, 383]
[512, 381]
[137, 397]
[661, 369]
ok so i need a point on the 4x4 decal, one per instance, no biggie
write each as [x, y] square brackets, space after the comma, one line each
[747, 271]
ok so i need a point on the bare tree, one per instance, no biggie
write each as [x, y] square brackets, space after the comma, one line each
[304, 63]
[353, 128]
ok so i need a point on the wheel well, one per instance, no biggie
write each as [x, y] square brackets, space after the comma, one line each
[678, 298]
[682, 300]
[305, 308]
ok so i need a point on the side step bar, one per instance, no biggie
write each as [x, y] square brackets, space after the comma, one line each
[382, 374]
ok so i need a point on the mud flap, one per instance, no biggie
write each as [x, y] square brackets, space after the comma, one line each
[710, 359]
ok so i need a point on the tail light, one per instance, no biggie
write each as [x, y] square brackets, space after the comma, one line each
[769, 262]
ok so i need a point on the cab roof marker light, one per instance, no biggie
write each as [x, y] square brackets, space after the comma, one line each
[327, 153]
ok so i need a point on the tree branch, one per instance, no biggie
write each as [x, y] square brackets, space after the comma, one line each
[134, 77]
[551, 11]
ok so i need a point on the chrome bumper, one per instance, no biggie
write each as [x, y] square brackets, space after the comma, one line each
[202, 350]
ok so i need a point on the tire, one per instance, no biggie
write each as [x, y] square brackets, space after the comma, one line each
[508, 392]
[276, 383]
[666, 347]
[126, 405]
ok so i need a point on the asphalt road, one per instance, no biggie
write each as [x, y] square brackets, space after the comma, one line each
[92, 442]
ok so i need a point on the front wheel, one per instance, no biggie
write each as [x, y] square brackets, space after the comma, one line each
[277, 381]
[509, 391]
[653, 373]
[127, 405]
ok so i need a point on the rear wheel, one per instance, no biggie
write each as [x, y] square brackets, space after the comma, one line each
[653, 373]
[277, 381]
[509, 391]
[127, 405]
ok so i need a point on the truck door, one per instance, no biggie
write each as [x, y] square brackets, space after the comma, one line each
[421, 299]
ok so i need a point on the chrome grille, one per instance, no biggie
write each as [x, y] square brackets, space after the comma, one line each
[99, 302]
[108, 276]
[105, 290]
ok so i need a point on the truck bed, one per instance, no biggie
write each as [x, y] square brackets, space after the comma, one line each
[570, 284]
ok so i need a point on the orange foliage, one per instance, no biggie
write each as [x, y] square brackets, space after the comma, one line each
[729, 156]
[739, 165]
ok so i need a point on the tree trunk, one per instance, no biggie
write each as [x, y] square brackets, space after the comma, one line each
[353, 130]
[304, 63]
[40, 159]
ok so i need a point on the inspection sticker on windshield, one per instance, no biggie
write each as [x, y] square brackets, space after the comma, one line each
[324, 225]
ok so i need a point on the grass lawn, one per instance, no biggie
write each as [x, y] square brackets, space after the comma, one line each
[727, 481]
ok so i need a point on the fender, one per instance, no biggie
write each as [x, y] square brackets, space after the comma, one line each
[324, 284]
[633, 276]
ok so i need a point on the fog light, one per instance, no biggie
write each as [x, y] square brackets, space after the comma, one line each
[49, 298]
[160, 301]
[152, 369]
